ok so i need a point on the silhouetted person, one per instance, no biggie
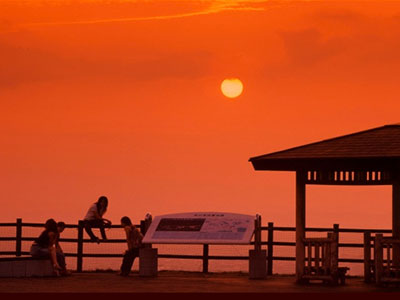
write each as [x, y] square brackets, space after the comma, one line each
[94, 218]
[59, 251]
[44, 246]
[134, 241]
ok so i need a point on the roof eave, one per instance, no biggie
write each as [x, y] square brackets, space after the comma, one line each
[295, 164]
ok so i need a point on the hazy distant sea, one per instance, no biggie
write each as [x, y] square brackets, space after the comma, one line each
[280, 267]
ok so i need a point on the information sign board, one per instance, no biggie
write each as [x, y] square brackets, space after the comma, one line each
[201, 228]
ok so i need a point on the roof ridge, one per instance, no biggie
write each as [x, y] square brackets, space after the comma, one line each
[325, 140]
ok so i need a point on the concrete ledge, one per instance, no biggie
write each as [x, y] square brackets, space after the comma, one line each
[26, 267]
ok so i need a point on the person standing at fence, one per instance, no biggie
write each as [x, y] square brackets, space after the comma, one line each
[134, 241]
[94, 219]
[44, 246]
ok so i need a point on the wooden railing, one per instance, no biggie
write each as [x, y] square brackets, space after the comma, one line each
[269, 244]
[387, 267]
[320, 256]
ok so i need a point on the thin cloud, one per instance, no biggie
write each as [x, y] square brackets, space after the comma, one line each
[213, 8]
[208, 7]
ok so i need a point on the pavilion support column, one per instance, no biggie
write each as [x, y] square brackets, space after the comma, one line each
[396, 219]
[300, 223]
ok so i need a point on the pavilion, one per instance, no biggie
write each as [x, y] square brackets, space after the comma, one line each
[370, 157]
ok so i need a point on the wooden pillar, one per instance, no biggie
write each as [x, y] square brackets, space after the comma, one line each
[300, 223]
[396, 218]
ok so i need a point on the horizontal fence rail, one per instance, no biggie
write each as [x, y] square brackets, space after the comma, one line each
[205, 257]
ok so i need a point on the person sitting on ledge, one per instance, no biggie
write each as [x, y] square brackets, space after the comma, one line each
[94, 218]
[44, 246]
[134, 240]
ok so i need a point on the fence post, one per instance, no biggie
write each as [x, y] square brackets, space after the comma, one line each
[18, 240]
[148, 256]
[336, 232]
[367, 256]
[79, 259]
[144, 226]
[205, 258]
[336, 229]
[257, 233]
[378, 253]
[270, 247]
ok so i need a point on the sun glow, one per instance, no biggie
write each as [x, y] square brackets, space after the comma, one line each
[232, 87]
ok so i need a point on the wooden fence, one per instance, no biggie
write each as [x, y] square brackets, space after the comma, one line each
[270, 243]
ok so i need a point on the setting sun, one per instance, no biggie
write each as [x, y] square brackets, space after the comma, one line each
[232, 87]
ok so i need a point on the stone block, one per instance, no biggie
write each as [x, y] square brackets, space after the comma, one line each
[19, 268]
[6, 269]
[26, 267]
[148, 262]
[257, 264]
[39, 268]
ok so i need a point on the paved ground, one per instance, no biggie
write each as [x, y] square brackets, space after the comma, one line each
[178, 282]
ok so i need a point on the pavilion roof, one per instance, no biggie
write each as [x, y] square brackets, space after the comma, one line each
[375, 148]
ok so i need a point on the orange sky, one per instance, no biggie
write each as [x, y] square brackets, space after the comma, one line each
[121, 98]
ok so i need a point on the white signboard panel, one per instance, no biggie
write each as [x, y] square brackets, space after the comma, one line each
[201, 228]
